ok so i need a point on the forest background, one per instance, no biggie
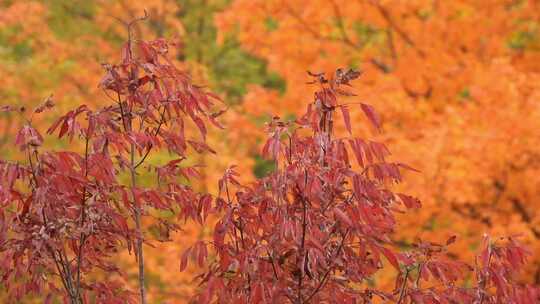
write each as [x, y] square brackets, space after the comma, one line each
[457, 84]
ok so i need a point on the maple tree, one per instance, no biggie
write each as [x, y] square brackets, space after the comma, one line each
[66, 212]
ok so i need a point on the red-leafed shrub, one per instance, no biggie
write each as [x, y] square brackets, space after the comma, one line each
[319, 228]
[64, 213]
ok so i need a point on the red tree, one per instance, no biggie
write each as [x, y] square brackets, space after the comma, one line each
[317, 230]
[64, 213]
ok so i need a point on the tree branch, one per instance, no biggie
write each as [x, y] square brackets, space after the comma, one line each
[325, 276]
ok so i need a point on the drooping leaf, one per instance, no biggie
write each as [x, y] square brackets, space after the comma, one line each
[346, 118]
[370, 113]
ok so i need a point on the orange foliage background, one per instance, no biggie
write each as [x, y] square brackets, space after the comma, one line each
[457, 83]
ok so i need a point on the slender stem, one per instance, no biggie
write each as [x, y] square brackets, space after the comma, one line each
[162, 120]
[484, 279]
[62, 265]
[65, 263]
[244, 246]
[273, 266]
[325, 276]
[240, 228]
[83, 236]
[136, 208]
[403, 287]
[417, 282]
[302, 250]
[59, 269]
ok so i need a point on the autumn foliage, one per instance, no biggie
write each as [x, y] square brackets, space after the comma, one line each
[65, 213]
[319, 228]
[123, 187]
[456, 84]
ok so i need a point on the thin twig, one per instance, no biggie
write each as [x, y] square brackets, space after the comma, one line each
[483, 283]
[325, 276]
[162, 120]
[302, 248]
[82, 238]
[403, 286]
[273, 266]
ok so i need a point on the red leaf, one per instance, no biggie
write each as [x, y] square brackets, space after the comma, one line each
[6, 108]
[357, 152]
[55, 125]
[184, 259]
[214, 96]
[379, 150]
[125, 198]
[125, 53]
[121, 222]
[200, 124]
[28, 136]
[201, 147]
[258, 294]
[48, 299]
[219, 234]
[342, 216]
[202, 254]
[272, 147]
[91, 126]
[451, 240]
[147, 52]
[405, 166]
[346, 118]
[371, 115]
[390, 257]
[64, 128]
[46, 104]
[409, 201]
[343, 152]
